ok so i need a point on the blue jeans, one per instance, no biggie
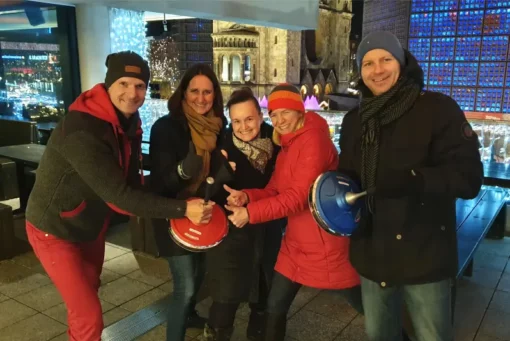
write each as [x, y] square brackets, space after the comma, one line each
[188, 274]
[429, 306]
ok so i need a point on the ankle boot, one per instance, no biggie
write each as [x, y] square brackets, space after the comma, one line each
[275, 326]
[255, 326]
[217, 334]
[195, 321]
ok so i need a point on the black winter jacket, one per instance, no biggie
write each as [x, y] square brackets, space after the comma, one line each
[169, 145]
[412, 239]
[235, 266]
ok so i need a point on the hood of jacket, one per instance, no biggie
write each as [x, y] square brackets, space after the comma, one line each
[97, 102]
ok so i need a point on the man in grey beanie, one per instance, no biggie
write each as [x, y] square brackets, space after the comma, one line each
[392, 58]
[415, 150]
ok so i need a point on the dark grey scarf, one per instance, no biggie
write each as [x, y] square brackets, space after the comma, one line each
[376, 112]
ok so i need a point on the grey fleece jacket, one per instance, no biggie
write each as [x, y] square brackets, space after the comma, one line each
[83, 174]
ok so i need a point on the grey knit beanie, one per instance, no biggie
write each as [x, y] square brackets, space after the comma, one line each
[381, 40]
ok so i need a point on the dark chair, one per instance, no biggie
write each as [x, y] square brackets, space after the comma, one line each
[14, 132]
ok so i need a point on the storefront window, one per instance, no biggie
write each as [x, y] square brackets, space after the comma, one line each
[35, 80]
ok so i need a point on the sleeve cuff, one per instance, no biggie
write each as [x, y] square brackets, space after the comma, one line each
[181, 172]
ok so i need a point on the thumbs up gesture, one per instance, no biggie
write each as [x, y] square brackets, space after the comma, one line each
[225, 154]
[236, 198]
[239, 216]
[192, 164]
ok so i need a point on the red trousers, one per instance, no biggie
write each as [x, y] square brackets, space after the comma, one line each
[74, 268]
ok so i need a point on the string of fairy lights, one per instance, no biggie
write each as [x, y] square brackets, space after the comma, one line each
[164, 62]
[128, 32]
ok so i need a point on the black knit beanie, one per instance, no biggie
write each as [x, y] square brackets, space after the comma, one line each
[126, 64]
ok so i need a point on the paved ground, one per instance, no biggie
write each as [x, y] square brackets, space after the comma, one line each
[32, 310]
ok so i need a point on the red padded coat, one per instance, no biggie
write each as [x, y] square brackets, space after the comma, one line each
[308, 254]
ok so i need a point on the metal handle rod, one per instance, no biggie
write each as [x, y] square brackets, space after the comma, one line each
[351, 197]
[208, 189]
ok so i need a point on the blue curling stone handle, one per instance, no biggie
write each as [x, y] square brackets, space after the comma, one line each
[330, 207]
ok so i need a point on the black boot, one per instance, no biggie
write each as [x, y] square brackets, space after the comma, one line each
[195, 321]
[217, 334]
[275, 327]
[255, 326]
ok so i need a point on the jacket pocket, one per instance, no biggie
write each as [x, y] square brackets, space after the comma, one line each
[74, 212]
[86, 220]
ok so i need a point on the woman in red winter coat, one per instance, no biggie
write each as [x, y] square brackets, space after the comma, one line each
[308, 256]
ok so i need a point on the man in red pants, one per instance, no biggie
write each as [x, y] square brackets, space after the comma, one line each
[91, 166]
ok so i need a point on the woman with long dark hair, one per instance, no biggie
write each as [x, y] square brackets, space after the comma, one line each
[182, 144]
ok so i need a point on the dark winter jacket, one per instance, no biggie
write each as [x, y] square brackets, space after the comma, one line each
[90, 166]
[412, 239]
[169, 144]
[234, 266]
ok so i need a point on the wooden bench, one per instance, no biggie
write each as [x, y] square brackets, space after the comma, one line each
[475, 217]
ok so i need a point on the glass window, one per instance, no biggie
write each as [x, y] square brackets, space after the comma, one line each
[445, 23]
[421, 25]
[443, 90]
[465, 98]
[471, 4]
[224, 67]
[465, 74]
[506, 101]
[498, 3]
[422, 5]
[420, 48]
[470, 23]
[494, 48]
[491, 74]
[496, 21]
[442, 49]
[440, 74]
[236, 68]
[445, 5]
[489, 100]
[478, 75]
[425, 68]
[35, 77]
[467, 48]
[247, 68]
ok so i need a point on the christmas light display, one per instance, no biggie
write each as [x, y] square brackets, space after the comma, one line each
[7, 45]
[164, 59]
[128, 31]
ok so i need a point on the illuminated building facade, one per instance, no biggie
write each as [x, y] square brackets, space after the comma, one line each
[462, 46]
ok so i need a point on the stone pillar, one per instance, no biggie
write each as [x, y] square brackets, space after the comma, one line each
[93, 28]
